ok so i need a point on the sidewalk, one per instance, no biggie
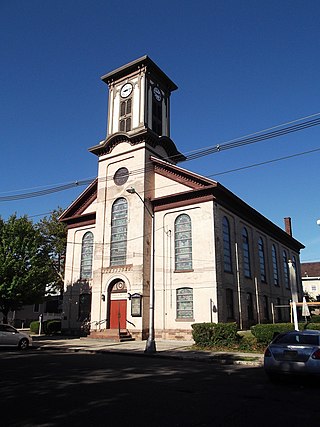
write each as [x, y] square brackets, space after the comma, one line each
[165, 349]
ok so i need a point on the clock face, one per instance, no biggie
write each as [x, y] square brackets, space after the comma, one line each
[157, 93]
[126, 90]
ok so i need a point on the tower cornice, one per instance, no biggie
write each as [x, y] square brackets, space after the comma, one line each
[145, 136]
[134, 66]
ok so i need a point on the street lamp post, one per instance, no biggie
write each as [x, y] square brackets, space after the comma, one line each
[151, 344]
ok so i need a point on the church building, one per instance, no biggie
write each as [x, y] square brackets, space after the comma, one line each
[152, 247]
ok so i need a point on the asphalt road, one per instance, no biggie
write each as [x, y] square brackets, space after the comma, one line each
[48, 389]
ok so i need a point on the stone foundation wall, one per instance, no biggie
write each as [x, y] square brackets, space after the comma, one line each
[174, 334]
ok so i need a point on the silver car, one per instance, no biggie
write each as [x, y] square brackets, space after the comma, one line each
[11, 337]
[294, 352]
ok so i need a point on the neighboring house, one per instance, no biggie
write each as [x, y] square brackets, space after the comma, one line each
[50, 308]
[145, 220]
[310, 274]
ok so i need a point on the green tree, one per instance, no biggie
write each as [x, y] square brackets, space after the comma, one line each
[25, 264]
[54, 234]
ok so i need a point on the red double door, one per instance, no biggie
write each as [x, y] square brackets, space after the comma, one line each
[118, 314]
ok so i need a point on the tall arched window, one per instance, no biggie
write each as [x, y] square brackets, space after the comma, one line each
[275, 266]
[246, 253]
[84, 307]
[227, 260]
[279, 311]
[249, 306]
[229, 304]
[183, 242]
[185, 303]
[262, 260]
[86, 256]
[266, 307]
[286, 269]
[118, 247]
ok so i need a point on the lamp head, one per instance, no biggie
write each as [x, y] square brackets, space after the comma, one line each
[131, 190]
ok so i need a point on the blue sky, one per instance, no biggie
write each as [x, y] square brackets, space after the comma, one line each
[240, 66]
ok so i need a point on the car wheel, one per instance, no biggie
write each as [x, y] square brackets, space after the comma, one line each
[23, 344]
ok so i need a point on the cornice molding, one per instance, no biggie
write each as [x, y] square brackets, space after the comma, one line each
[180, 175]
[85, 199]
[80, 220]
[146, 136]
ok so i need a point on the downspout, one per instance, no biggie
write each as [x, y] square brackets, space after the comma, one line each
[102, 258]
[239, 288]
[257, 298]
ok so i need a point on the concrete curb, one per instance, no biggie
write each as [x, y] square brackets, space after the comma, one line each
[215, 358]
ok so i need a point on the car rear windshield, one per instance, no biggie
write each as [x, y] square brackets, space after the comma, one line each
[297, 339]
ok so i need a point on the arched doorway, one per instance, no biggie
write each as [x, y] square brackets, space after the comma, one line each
[117, 305]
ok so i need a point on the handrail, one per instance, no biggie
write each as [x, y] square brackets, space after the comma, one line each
[128, 321]
[100, 321]
[94, 321]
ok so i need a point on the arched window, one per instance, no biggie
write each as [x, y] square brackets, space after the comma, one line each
[125, 115]
[266, 307]
[86, 256]
[183, 243]
[275, 266]
[118, 247]
[227, 260]
[249, 306]
[262, 260]
[185, 303]
[286, 269]
[246, 253]
[279, 311]
[84, 307]
[229, 304]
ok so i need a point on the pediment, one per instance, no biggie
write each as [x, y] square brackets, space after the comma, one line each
[182, 176]
[81, 211]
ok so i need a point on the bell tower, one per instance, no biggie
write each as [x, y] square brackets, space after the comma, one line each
[139, 99]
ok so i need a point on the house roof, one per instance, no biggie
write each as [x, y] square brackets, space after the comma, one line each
[310, 269]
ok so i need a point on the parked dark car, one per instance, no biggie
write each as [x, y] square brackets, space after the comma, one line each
[294, 352]
[11, 337]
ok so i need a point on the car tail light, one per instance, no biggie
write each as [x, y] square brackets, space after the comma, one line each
[267, 353]
[316, 354]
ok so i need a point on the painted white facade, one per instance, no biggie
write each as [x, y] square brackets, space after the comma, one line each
[310, 273]
[163, 192]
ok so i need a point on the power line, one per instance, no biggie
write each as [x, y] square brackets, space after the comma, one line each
[85, 182]
[46, 191]
[266, 130]
[235, 143]
[252, 140]
[266, 162]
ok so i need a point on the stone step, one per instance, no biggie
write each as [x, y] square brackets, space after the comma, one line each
[112, 335]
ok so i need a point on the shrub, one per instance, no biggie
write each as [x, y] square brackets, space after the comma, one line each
[213, 334]
[48, 327]
[315, 319]
[248, 342]
[265, 333]
[34, 327]
[53, 327]
[315, 326]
